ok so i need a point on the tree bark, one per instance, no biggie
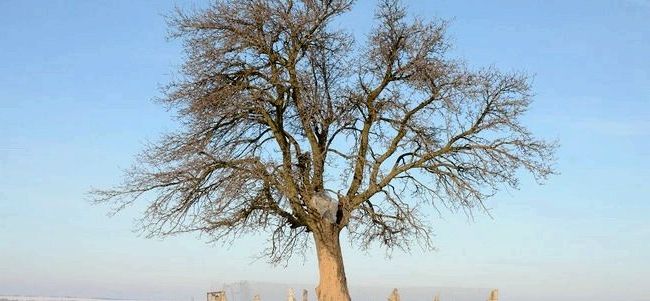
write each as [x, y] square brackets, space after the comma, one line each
[332, 285]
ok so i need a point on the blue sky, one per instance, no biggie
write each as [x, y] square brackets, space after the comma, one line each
[77, 79]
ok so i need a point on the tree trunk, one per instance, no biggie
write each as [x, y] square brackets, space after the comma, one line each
[332, 285]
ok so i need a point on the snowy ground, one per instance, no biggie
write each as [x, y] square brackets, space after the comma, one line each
[245, 291]
[41, 298]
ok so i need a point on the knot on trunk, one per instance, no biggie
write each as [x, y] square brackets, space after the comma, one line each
[326, 206]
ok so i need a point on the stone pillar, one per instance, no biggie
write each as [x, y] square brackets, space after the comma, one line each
[291, 295]
[494, 295]
[217, 296]
[436, 297]
[394, 296]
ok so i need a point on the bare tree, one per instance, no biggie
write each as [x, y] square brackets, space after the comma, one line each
[292, 129]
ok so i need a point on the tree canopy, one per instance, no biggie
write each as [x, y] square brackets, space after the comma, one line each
[286, 119]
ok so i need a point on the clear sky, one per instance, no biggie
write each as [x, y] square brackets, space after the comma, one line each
[76, 83]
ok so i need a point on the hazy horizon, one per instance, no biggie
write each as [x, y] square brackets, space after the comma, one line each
[246, 290]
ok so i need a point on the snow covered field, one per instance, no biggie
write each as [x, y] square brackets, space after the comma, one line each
[42, 298]
[245, 291]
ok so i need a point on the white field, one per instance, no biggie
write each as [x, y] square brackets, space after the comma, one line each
[245, 291]
[42, 298]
